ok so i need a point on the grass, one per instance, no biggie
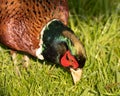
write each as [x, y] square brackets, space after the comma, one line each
[97, 24]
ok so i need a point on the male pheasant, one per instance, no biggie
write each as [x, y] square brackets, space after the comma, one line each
[39, 27]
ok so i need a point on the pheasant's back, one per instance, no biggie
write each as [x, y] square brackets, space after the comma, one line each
[21, 21]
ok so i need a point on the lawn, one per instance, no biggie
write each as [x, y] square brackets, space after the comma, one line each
[97, 24]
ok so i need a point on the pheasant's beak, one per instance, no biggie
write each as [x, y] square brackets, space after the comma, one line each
[76, 74]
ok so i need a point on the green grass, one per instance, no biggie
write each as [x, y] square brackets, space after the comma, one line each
[97, 24]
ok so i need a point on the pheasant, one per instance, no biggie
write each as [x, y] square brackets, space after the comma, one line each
[39, 28]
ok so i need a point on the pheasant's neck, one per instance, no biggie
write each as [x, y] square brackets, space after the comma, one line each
[51, 33]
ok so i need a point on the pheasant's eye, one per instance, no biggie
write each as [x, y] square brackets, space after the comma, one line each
[67, 57]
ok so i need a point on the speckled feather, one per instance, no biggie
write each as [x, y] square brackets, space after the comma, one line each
[21, 21]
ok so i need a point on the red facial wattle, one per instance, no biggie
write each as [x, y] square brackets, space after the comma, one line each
[69, 60]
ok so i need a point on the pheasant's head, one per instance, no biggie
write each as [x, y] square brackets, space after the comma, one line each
[61, 46]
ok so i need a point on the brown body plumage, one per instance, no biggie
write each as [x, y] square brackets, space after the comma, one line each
[21, 21]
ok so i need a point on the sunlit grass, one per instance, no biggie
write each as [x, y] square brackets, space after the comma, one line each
[97, 24]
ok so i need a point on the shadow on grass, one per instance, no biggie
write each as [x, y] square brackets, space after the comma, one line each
[3, 90]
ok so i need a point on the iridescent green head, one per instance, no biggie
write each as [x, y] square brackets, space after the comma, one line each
[61, 46]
